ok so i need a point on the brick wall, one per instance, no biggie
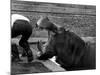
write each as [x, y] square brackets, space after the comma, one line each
[80, 19]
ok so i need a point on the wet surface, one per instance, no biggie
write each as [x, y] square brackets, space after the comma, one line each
[28, 68]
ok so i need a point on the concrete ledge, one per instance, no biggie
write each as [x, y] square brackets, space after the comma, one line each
[34, 40]
[51, 65]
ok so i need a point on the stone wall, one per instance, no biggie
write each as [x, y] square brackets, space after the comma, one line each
[80, 19]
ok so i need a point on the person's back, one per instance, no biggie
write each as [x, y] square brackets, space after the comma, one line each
[21, 27]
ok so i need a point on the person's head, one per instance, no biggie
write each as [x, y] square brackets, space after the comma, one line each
[44, 23]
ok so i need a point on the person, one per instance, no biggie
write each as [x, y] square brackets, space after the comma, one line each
[70, 50]
[15, 54]
[20, 25]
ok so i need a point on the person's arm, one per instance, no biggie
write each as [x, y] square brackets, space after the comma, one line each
[49, 50]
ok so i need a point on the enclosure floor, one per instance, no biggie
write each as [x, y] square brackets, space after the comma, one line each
[28, 68]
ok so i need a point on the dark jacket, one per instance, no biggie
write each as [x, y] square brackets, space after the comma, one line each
[21, 27]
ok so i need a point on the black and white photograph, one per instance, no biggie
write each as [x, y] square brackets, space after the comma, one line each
[51, 37]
